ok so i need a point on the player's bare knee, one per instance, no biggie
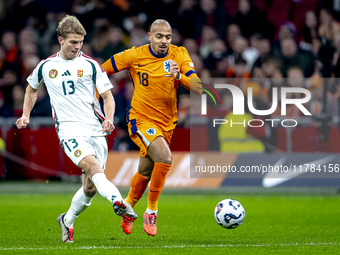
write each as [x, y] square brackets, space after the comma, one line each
[165, 158]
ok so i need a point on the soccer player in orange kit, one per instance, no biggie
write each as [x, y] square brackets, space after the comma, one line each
[157, 70]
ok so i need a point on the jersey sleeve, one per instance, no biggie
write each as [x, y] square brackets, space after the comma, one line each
[187, 67]
[120, 61]
[101, 79]
[36, 78]
[189, 78]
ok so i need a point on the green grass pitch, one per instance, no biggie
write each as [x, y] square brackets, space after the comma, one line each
[275, 223]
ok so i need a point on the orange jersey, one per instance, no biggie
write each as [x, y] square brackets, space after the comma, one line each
[155, 94]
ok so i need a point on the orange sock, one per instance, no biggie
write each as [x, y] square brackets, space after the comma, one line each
[139, 184]
[158, 177]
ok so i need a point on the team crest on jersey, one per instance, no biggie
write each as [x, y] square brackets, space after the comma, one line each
[80, 73]
[167, 66]
[53, 73]
[151, 131]
[77, 153]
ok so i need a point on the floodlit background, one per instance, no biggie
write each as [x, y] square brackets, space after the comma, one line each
[260, 44]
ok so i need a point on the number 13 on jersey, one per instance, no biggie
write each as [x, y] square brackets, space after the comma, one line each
[69, 84]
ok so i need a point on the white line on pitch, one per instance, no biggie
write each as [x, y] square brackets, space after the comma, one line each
[160, 247]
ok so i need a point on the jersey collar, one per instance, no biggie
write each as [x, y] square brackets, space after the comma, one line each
[155, 55]
[80, 54]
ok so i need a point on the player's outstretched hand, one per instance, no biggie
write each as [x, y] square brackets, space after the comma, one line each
[108, 126]
[174, 70]
[22, 122]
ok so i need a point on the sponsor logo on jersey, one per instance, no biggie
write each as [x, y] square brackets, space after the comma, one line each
[77, 153]
[53, 73]
[66, 73]
[80, 73]
[151, 131]
[167, 66]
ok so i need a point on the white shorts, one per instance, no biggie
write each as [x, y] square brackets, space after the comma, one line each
[79, 147]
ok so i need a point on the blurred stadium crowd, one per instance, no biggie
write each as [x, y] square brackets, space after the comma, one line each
[267, 40]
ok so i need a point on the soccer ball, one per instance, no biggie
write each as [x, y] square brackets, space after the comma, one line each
[229, 213]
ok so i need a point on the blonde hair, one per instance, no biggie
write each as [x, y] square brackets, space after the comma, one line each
[70, 25]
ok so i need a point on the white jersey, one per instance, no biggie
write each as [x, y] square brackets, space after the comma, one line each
[71, 85]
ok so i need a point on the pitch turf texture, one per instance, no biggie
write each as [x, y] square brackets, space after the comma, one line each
[286, 221]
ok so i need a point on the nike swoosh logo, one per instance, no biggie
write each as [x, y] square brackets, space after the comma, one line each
[272, 179]
[141, 65]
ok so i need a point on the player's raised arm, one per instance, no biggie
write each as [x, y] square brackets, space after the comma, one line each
[186, 73]
[29, 102]
[109, 109]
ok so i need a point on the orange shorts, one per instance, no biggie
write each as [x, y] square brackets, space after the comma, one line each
[143, 132]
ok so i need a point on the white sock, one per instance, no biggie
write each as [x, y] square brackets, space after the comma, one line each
[79, 204]
[106, 188]
[149, 211]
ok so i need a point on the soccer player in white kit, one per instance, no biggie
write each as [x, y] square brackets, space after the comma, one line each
[71, 79]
